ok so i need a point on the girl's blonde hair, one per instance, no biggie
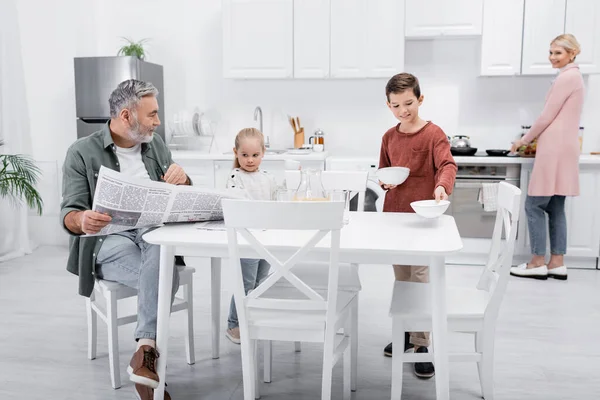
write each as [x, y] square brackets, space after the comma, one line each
[569, 43]
[247, 133]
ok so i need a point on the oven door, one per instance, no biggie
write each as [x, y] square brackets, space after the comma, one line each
[472, 221]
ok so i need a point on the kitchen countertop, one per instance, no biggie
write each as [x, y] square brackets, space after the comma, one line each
[196, 155]
[479, 160]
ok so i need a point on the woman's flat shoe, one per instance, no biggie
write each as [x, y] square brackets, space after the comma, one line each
[558, 273]
[534, 273]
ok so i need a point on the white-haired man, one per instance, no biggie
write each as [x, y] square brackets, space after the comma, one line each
[127, 144]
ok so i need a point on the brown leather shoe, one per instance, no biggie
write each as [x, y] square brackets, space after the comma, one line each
[145, 393]
[142, 367]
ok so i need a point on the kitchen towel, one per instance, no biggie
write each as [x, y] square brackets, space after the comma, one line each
[487, 196]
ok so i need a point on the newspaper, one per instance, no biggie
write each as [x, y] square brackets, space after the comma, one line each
[139, 203]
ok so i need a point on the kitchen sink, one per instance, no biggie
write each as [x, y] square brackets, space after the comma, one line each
[272, 151]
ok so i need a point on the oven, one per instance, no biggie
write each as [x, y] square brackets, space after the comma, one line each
[471, 219]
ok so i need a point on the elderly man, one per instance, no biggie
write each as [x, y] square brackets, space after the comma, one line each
[127, 144]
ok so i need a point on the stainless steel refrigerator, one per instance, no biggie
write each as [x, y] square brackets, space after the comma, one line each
[97, 77]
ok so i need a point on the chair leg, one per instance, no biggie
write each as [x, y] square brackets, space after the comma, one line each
[267, 360]
[248, 366]
[188, 296]
[92, 320]
[328, 349]
[484, 344]
[397, 357]
[354, 343]
[113, 340]
[348, 360]
[297, 347]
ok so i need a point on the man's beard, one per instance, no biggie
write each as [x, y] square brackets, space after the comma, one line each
[140, 134]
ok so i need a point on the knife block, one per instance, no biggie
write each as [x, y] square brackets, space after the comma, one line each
[299, 138]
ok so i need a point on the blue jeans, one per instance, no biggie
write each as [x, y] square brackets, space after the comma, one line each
[254, 271]
[536, 208]
[126, 258]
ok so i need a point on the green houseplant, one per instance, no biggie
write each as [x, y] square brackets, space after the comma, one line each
[18, 177]
[132, 48]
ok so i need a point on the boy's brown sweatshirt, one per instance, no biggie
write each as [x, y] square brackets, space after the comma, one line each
[427, 154]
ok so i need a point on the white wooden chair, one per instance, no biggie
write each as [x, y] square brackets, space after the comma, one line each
[111, 292]
[470, 310]
[354, 182]
[298, 313]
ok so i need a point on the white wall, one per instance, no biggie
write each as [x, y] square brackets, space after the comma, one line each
[185, 37]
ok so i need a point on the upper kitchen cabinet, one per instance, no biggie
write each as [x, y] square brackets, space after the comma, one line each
[583, 21]
[501, 40]
[544, 20]
[367, 38]
[431, 18]
[258, 38]
[311, 38]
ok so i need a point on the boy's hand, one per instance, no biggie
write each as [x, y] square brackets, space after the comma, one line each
[440, 194]
[386, 186]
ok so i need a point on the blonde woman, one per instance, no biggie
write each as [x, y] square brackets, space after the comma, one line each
[555, 173]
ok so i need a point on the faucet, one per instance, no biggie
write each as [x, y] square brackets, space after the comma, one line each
[258, 114]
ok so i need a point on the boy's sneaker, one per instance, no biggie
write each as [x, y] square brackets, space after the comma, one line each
[407, 346]
[233, 334]
[424, 370]
[142, 367]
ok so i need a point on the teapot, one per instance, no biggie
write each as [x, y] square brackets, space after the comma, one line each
[460, 141]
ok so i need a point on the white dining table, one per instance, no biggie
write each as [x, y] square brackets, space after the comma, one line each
[368, 238]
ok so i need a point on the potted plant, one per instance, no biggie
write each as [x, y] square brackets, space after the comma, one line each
[18, 177]
[132, 48]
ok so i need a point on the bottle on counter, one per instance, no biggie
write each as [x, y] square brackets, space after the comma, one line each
[581, 129]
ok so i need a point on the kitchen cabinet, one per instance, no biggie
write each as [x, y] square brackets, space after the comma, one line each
[502, 37]
[367, 38]
[583, 218]
[425, 19]
[583, 20]
[544, 20]
[311, 38]
[258, 38]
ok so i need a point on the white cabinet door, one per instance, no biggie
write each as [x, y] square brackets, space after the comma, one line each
[384, 53]
[583, 216]
[348, 39]
[502, 37]
[311, 38]
[443, 18]
[367, 38]
[583, 21]
[544, 20]
[258, 38]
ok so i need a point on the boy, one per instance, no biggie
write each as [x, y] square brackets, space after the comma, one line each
[423, 147]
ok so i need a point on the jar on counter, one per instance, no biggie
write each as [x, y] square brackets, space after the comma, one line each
[581, 129]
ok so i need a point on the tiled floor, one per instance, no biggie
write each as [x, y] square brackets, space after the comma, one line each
[548, 342]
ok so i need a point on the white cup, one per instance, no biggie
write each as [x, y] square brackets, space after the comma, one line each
[318, 147]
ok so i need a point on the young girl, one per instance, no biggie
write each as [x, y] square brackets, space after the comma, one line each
[423, 147]
[259, 185]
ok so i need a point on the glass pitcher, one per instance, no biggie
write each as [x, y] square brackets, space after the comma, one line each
[310, 187]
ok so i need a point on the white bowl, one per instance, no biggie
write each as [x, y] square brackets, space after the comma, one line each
[430, 208]
[393, 175]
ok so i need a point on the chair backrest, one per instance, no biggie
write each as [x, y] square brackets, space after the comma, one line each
[249, 218]
[352, 181]
[496, 272]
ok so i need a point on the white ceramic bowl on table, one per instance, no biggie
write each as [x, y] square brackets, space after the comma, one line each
[393, 175]
[430, 208]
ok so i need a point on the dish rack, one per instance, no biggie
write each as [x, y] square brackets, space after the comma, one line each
[191, 131]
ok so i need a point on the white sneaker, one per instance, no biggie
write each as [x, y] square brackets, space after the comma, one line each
[558, 273]
[535, 273]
